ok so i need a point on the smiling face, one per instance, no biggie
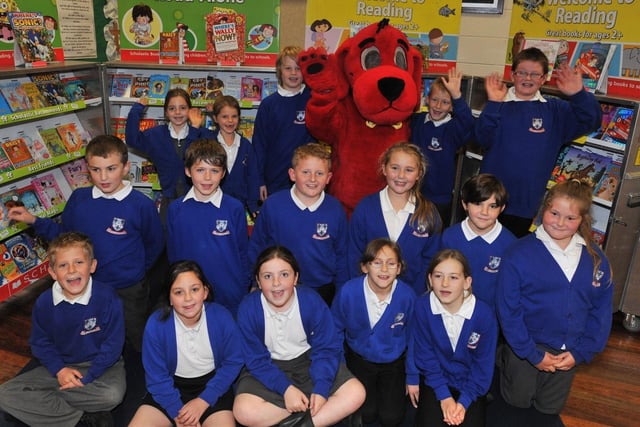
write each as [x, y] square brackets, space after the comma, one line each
[483, 215]
[310, 175]
[439, 102]
[187, 296]
[205, 178]
[276, 280]
[177, 112]
[561, 220]
[71, 268]
[291, 74]
[227, 120]
[107, 172]
[448, 283]
[528, 85]
[402, 171]
[382, 271]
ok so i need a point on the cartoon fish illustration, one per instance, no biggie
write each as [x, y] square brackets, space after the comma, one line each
[446, 11]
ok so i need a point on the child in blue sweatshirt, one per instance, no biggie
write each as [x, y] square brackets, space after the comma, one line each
[292, 352]
[209, 226]
[372, 315]
[191, 356]
[123, 224]
[554, 302]
[77, 334]
[241, 180]
[481, 237]
[454, 337]
[440, 133]
[523, 131]
[308, 221]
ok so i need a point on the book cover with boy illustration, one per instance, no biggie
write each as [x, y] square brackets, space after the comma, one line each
[51, 88]
[158, 85]
[70, 136]
[32, 41]
[17, 151]
[47, 188]
[169, 47]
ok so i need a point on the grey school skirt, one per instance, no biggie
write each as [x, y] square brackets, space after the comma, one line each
[297, 370]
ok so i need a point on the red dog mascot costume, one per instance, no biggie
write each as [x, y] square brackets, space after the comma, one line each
[362, 98]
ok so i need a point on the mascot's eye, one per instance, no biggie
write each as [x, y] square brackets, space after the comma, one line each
[370, 58]
[4, 5]
[401, 58]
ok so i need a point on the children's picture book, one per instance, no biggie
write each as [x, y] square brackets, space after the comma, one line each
[4, 106]
[177, 82]
[158, 85]
[226, 39]
[17, 151]
[36, 98]
[247, 123]
[233, 86]
[148, 173]
[583, 163]
[37, 148]
[52, 140]
[74, 88]
[600, 220]
[606, 188]
[48, 190]
[121, 85]
[617, 132]
[197, 88]
[27, 195]
[22, 253]
[140, 86]
[215, 87]
[608, 111]
[15, 95]
[548, 47]
[269, 86]
[118, 127]
[169, 47]
[76, 173]
[50, 87]
[8, 268]
[32, 41]
[38, 243]
[70, 136]
[5, 163]
[251, 89]
[592, 60]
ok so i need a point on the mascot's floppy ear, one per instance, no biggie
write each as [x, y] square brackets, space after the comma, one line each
[416, 58]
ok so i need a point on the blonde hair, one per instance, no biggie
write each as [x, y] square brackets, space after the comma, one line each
[312, 149]
[287, 51]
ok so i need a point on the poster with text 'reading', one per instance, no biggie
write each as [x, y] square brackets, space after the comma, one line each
[432, 26]
[599, 37]
[209, 32]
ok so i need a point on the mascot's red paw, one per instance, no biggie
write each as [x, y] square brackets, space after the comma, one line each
[362, 99]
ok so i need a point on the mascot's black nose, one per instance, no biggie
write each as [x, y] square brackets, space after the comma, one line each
[391, 87]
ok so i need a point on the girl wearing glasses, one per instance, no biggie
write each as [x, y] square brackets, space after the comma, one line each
[400, 212]
[454, 342]
[371, 313]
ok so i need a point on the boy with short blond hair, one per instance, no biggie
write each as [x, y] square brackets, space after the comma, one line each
[123, 225]
[77, 335]
[311, 223]
[210, 227]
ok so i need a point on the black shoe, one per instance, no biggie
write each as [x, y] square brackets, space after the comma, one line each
[297, 419]
[96, 419]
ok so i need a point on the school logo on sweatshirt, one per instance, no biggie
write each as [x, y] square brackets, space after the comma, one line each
[221, 228]
[117, 226]
[536, 125]
[322, 232]
[300, 117]
[596, 278]
[398, 320]
[90, 326]
[435, 145]
[474, 339]
[420, 230]
[494, 263]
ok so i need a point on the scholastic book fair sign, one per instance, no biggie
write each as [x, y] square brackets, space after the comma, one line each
[432, 27]
[600, 38]
[220, 33]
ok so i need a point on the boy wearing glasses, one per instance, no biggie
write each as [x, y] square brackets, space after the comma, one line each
[522, 131]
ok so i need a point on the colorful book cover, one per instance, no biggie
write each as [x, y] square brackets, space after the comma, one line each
[169, 47]
[18, 152]
[76, 174]
[606, 188]
[38, 243]
[118, 127]
[215, 87]
[582, 163]
[140, 86]
[5, 163]
[197, 88]
[8, 267]
[50, 87]
[617, 131]
[148, 172]
[27, 195]
[592, 61]
[251, 89]
[36, 99]
[36, 147]
[147, 124]
[48, 190]
[15, 95]
[121, 85]
[608, 111]
[177, 82]
[158, 85]
[32, 41]
[269, 86]
[52, 140]
[74, 88]
[70, 137]
[226, 37]
[4, 106]
[246, 125]
[22, 253]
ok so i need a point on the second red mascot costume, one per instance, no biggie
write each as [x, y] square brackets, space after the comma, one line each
[362, 99]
